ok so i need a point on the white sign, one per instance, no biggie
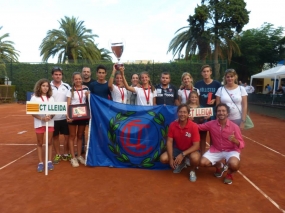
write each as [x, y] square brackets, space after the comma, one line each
[201, 112]
[46, 108]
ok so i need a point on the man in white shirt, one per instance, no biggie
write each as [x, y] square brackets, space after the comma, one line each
[59, 91]
[249, 89]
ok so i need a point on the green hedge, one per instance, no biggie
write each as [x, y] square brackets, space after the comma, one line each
[25, 75]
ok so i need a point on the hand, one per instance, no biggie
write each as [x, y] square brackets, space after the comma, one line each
[241, 126]
[122, 69]
[207, 117]
[212, 101]
[171, 163]
[114, 69]
[190, 117]
[232, 137]
[68, 119]
[179, 158]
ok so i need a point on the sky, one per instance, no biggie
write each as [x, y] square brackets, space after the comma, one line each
[146, 26]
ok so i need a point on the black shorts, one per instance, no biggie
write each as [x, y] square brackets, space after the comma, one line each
[79, 122]
[60, 127]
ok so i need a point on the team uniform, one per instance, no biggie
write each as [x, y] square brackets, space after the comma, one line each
[184, 94]
[166, 96]
[145, 96]
[59, 95]
[38, 124]
[119, 94]
[99, 89]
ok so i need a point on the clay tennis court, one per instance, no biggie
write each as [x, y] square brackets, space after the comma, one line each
[259, 186]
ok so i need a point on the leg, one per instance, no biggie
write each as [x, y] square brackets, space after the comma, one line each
[72, 134]
[233, 165]
[164, 158]
[50, 136]
[65, 145]
[203, 136]
[80, 131]
[194, 162]
[40, 138]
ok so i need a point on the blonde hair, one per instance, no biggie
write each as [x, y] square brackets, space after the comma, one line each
[193, 93]
[232, 71]
[187, 74]
[38, 90]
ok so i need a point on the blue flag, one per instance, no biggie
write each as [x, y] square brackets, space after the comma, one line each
[122, 135]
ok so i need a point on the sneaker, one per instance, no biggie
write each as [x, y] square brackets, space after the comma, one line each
[56, 159]
[193, 176]
[228, 179]
[40, 167]
[220, 171]
[81, 160]
[179, 168]
[187, 161]
[69, 157]
[74, 162]
[50, 166]
[64, 157]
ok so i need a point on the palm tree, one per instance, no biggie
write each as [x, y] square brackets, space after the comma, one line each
[105, 55]
[72, 41]
[7, 50]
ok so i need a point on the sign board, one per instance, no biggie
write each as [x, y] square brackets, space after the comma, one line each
[51, 108]
[201, 112]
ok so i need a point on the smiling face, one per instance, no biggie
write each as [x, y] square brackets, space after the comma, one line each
[135, 79]
[44, 88]
[119, 79]
[222, 113]
[183, 114]
[231, 78]
[144, 79]
[86, 73]
[77, 80]
[187, 80]
[194, 98]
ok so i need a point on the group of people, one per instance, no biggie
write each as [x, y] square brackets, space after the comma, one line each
[186, 141]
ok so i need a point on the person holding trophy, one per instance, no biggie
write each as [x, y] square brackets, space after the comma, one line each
[118, 91]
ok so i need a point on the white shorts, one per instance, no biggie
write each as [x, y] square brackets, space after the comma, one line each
[217, 156]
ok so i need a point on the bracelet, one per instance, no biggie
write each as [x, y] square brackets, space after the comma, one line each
[112, 76]
[182, 154]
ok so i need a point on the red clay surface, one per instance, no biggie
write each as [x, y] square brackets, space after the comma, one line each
[99, 189]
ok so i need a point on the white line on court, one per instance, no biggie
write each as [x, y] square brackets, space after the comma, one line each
[265, 195]
[260, 191]
[264, 146]
[17, 159]
[15, 144]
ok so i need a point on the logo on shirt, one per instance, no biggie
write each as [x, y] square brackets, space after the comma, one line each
[188, 134]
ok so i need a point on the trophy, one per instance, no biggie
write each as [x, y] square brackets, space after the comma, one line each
[117, 49]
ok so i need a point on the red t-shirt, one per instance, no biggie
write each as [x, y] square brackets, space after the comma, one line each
[184, 137]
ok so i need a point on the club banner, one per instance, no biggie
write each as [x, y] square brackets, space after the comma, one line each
[122, 135]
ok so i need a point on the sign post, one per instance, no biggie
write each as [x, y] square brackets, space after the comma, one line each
[52, 108]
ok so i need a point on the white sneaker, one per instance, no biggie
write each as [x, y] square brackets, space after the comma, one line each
[193, 176]
[74, 162]
[81, 160]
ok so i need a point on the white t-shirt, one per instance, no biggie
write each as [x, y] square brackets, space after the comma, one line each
[236, 94]
[181, 94]
[59, 95]
[38, 123]
[117, 96]
[75, 99]
[141, 96]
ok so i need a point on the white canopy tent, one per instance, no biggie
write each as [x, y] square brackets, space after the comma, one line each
[275, 72]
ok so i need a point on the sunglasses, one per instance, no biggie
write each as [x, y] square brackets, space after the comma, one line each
[56, 68]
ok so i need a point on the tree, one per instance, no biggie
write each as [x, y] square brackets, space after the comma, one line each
[264, 45]
[7, 50]
[105, 55]
[212, 27]
[72, 41]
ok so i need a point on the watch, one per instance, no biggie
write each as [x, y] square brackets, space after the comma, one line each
[182, 154]
[243, 121]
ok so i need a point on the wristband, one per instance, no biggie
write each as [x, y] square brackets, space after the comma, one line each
[112, 76]
[182, 154]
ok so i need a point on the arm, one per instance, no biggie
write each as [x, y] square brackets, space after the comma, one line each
[111, 79]
[154, 101]
[169, 146]
[244, 111]
[218, 100]
[122, 70]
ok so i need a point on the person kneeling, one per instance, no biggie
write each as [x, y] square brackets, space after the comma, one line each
[226, 144]
[183, 142]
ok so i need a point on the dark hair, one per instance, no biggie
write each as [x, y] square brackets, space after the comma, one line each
[165, 73]
[222, 104]
[183, 105]
[206, 66]
[56, 69]
[135, 74]
[37, 88]
[101, 67]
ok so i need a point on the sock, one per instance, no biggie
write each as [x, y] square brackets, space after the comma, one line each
[41, 163]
